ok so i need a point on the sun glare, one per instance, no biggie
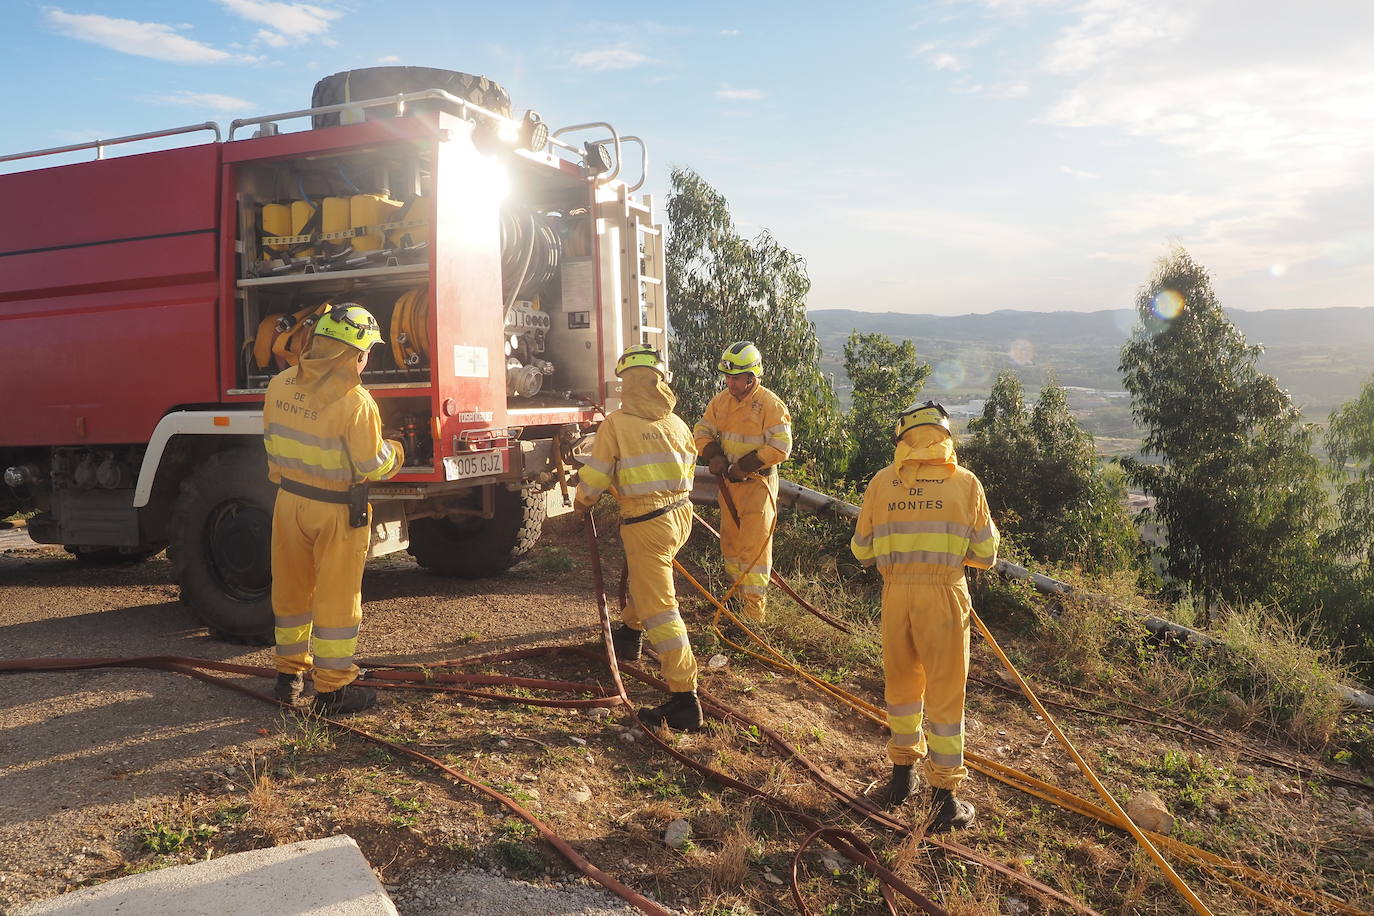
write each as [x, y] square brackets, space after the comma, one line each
[1167, 304]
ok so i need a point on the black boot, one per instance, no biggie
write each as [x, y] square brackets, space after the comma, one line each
[288, 688]
[948, 812]
[628, 643]
[682, 713]
[899, 787]
[347, 699]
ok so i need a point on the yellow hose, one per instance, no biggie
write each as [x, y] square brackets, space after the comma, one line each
[1113, 815]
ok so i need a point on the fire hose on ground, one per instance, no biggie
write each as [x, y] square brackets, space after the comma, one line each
[425, 677]
[1115, 817]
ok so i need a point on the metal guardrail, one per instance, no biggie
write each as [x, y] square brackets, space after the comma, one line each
[99, 145]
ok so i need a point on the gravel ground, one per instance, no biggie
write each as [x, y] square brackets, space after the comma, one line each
[84, 756]
[477, 893]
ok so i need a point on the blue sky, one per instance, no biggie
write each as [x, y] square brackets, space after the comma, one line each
[942, 157]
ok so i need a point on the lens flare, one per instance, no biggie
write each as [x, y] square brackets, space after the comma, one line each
[1167, 304]
[1277, 270]
[947, 375]
[1021, 352]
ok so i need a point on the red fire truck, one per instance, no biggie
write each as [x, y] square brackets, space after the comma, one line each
[146, 300]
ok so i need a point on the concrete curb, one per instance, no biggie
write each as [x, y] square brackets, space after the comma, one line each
[326, 877]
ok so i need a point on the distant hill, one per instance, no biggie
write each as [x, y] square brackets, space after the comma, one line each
[1321, 356]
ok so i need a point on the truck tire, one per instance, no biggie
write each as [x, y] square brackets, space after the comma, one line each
[376, 82]
[476, 548]
[221, 548]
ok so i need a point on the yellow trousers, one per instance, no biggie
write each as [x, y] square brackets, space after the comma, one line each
[650, 547]
[317, 577]
[757, 501]
[925, 668]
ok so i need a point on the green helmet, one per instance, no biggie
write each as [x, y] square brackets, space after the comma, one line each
[741, 357]
[641, 355]
[350, 323]
[930, 413]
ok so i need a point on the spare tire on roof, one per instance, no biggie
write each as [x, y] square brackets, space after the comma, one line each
[375, 82]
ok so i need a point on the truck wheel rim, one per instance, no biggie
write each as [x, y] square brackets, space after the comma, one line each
[238, 539]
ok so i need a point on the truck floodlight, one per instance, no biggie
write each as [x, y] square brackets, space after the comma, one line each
[596, 159]
[534, 133]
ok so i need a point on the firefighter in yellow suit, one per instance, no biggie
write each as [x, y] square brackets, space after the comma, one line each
[645, 456]
[324, 442]
[745, 432]
[924, 518]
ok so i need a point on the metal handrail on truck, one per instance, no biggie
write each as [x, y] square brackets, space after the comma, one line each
[99, 145]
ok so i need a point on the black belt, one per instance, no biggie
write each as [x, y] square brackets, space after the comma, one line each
[661, 510]
[355, 498]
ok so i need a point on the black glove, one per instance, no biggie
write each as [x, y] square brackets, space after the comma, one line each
[736, 473]
[718, 464]
[750, 463]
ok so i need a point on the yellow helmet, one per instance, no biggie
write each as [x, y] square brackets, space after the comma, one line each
[641, 355]
[350, 323]
[741, 357]
[931, 413]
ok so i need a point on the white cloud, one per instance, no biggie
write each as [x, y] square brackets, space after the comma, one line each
[608, 59]
[729, 33]
[1079, 173]
[739, 95]
[1109, 29]
[287, 23]
[207, 100]
[1013, 90]
[388, 59]
[1246, 140]
[144, 39]
[945, 61]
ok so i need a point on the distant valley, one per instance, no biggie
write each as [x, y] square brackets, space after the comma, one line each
[1322, 356]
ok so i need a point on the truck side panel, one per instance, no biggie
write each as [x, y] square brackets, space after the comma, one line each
[107, 296]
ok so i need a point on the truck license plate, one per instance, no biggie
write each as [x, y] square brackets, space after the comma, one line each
[475, 464]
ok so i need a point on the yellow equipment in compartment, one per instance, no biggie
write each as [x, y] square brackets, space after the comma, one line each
[301, 211]
[276, 221]
[368, 210]
[335, 219]
[410, 328]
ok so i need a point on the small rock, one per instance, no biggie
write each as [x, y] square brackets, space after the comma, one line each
[503, 743]
[282, 773]
[628, 737]
[581, 795]
[833, 861]
[309, 781]
[533, 794]
[1236, 711]
[717, 661]
[598, 713]
[580, 742]
[1288, 791]
[529, 777]
[1364, 818]
[1015, 906]
[1148, 811]
[772, 878]
[677, 834]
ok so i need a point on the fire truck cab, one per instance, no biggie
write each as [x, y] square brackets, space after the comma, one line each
[147, 299]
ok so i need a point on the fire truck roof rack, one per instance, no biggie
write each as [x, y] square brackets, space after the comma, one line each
[99, 145]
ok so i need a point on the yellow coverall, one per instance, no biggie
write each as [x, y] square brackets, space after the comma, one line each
[758, 422]
[923, 520]
[644, 454]
[321, 429]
